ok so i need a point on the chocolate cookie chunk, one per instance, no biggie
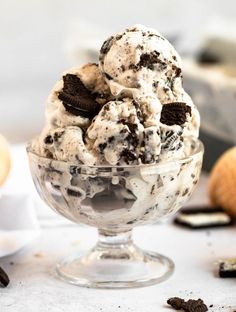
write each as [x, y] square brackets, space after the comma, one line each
[77, 99]
[149, 60]
[107, 45]
[175, 113]
[128, 155]
[189, 306]
[4, 279]
[227, 268]
[171, 141]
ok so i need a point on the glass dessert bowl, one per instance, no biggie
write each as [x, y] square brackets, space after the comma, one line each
[115, 199]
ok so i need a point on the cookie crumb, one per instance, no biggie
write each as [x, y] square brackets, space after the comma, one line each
[189, 306]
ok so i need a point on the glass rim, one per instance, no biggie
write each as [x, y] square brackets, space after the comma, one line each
[197, 151]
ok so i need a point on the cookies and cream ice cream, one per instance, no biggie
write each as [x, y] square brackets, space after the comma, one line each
[129, 109]
[119, 150]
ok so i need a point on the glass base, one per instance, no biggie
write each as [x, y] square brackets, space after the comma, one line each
[115, 266]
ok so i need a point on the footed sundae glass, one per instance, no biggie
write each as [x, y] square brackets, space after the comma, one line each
[115, 199]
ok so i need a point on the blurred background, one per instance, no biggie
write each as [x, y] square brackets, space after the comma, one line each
[40, 39]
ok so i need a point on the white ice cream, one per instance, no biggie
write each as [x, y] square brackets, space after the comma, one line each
[141, 62]
[118, 136]
[139, 72]
[130, 110]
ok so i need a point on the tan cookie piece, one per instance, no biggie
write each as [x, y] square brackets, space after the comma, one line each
[5, 162]
[222, 182]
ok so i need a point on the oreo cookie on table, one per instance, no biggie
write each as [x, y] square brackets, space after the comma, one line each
[77, 99]
[203, 217]
[227, 268]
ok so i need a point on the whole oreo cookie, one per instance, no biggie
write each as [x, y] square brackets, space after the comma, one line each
[175, 113]
[76, 98]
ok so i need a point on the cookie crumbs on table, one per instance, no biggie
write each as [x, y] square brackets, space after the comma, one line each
[191, 305]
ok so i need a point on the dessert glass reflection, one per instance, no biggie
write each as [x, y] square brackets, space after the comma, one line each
[115, 199]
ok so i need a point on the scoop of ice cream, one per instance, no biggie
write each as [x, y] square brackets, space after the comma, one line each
[141, 58]
[64, 144]
[118, 136]
[131, 109]
[59, 113]
[120, 133]
[141, 63]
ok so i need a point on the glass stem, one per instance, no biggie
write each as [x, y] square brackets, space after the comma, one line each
[107, 239]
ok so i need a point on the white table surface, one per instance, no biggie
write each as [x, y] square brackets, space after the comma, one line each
[34, 287]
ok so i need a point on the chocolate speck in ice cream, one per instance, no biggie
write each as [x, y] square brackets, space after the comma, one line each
[129, 109]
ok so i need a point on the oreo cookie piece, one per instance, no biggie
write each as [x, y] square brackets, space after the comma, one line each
[227, 268]
[106, 45]
[77, 99]
[203, 217]
[191, 305]
[150, 59]
[128, 155]
[4, 279]
[175, 113]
